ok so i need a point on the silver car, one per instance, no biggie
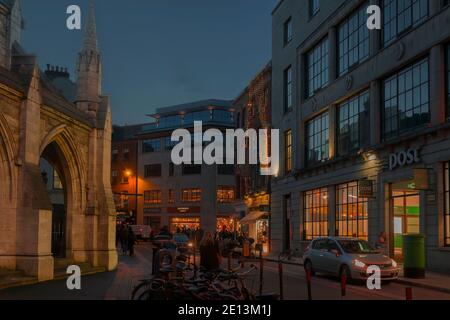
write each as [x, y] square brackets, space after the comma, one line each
[349, 256]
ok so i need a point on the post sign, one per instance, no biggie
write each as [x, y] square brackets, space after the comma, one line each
[366, 188]
[403, 158]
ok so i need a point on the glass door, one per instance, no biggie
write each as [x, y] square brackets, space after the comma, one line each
[406, 207]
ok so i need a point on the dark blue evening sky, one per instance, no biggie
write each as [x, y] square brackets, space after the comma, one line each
[159, 52]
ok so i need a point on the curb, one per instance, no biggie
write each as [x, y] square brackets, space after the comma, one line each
[422, 285]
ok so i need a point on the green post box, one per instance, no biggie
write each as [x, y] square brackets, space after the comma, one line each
[414, 256]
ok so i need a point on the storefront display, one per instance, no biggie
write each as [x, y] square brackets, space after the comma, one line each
[189, 223]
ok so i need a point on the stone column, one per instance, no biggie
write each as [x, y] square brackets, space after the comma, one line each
[437, 85]
[375, 112]
[375, 35]
[332, 54]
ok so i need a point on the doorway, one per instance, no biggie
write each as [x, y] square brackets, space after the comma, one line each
[405, 214]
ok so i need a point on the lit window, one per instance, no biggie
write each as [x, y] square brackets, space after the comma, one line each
[153, 197]
[317, 68]
[57, 183]
[315, 214]
[353, 41]
[400, 16]
[351, 212]
[406, 100]
[317, 131]
[225, 194]
[171, 196]
[191, 195]
[353, 119]
[288, 151]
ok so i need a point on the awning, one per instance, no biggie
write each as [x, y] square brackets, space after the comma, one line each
[253, 216]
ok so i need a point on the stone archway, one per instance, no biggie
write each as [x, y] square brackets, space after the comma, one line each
[7, 197]
[60, 150]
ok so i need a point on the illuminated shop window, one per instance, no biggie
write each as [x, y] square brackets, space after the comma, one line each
[225, 194]
[315, 213]
[191, 195]
[351, 211]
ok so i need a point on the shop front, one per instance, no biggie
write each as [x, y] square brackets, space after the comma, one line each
[178, 224]
[227, 223]
[256, 226]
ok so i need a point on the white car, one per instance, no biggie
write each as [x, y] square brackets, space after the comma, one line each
[338, 256]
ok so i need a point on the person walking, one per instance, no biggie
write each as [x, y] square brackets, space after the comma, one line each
[124, 238]
[209, 253]
[131, 241]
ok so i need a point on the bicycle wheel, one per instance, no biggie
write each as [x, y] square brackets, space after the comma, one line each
[153, 284]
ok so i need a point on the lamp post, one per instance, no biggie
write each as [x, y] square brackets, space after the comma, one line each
[128, 174]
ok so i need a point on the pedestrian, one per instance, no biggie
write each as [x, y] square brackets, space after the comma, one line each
[131, 241]
[209, 253]
[124, 238]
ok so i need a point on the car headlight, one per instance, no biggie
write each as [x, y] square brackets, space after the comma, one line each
[358, 263]
[394, 263]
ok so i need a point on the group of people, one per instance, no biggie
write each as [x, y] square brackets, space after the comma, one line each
[127, 239]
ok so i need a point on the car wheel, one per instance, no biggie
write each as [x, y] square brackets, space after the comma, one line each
[309, 267]
[345, 270]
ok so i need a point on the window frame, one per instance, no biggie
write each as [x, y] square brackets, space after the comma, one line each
[287, 32]
[323, 208]
[313, 74]
[191, 195]
[314, 8]
[396, 102]
[362, 109]
[223, 190]
[288, 157]
[152, 197]
[447, 63]
[446, 210]
[321, 132]
[148, 167]
[360, 11]
[157, 148]
[288, 89]
[360, 216]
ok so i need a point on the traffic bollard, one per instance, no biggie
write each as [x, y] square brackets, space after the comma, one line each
[280, 275]
[308, 283]
[343, 284]
[408, 292]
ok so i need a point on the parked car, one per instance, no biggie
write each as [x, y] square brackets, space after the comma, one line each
[142, 232]
[350, 256]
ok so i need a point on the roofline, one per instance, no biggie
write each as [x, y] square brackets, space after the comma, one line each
[277, 6]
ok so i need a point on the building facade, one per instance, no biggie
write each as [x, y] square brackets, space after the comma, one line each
[55, 140]
[367, 113]
[184, 196]
[124, 164]
[253, 111]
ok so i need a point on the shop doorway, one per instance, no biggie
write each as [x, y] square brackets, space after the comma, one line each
[406, 214]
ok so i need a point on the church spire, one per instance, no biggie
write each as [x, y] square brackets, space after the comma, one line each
[90, 35]
[89, 68]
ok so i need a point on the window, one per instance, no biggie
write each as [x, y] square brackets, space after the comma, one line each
[353, 119]
[317, 132]
[57, 183]
[287, 89]
[225, 169]
[153, 197]
[126, 154]
[351, 212]
[151, 145]
[406, 100]
[287, 215]
[170, 121]
[125, 179]
[447, 204]
[204, 115]
[223, 116]
[114, 155]
[288, 151]
[171, 196]
[287, 31]
[315, 214]
[171, 169]
[191, 195]
[114, 175]
[353, 36]
[169, 144]
[225, 194]
[314, 7]
[448, 80]
[153, 170]
[402, 15]
[189, 169]
[317, 68]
